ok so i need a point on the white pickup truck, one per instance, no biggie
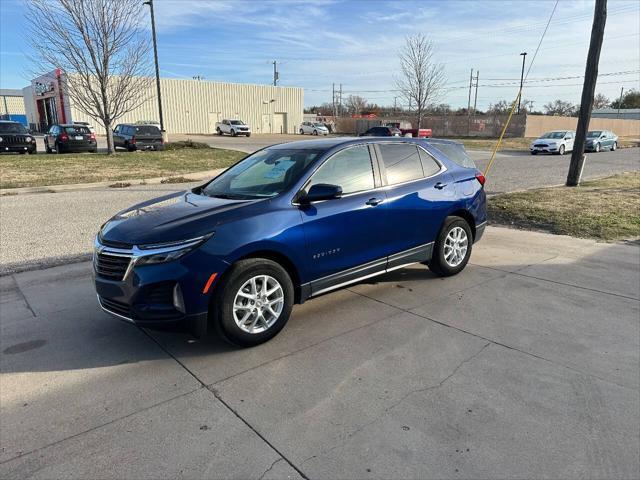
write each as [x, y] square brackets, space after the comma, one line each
[233, 128]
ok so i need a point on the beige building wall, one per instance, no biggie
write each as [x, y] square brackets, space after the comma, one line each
[12, 105]
[538, 124]
[192, 106]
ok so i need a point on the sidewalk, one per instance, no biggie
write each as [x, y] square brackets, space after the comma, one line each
[526, 364]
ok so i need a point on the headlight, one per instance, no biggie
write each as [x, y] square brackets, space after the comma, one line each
[29, 139]
[167, 252]
[0, 139]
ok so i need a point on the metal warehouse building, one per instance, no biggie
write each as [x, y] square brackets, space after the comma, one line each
[189, 106]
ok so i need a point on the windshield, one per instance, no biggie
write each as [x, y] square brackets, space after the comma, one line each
[553, 135]
[266, 173]
[12, 128]
[318, 125]
[236, 122]
[594, 133]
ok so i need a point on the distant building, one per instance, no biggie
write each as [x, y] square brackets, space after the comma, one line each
[12, 105]
[189, 106]
[625, 113]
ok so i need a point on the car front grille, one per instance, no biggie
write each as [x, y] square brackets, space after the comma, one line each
[541, 145]
[115, 307]
[160, 294]
[12, 140]
[111, 267]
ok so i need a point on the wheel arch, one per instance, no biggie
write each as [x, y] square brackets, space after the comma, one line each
[467, 217]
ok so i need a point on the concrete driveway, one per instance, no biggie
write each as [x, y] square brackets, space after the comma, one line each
[525, 365]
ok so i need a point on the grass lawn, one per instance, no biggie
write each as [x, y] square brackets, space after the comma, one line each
[522, 143]
[606, 209]
[42, 169]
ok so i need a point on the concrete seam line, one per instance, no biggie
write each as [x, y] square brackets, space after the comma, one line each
[30, 452]
[217, 397]
[22, 295]
[505, 345]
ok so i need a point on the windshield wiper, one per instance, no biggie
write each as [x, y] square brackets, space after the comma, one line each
[228, 196]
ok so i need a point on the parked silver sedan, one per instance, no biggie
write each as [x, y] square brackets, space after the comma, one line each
[598, 140]
[313, 128]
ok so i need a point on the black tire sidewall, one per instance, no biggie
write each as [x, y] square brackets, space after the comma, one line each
[438, 263]
[561, 150]
[223, 300]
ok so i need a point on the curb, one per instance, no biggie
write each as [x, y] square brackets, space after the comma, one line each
[195, 176]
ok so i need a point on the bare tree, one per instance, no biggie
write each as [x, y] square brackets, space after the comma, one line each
[601, 101]
[102, 50]
[421, 77]
[559, 108]
[356, 104]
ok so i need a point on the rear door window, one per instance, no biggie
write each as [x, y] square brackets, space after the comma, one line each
[401, 161]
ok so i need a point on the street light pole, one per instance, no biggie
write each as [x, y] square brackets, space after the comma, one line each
[155, 55]
[524, 56]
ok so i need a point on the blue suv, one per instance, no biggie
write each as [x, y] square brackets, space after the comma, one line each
[287, 223]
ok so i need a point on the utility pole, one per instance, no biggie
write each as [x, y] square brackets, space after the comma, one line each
[333, 99]
[276, 76]
[469, 104]
[475, 98]
[588, 89]
[524, 56]
[155, 56]
[340, 100]
[619, 102]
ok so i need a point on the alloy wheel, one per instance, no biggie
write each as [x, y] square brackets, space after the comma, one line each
[455, 246]
[597, 147]
[258, 304]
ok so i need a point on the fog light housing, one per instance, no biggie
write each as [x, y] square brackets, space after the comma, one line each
[178, 300]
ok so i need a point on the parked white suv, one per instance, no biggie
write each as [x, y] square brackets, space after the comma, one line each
[233, 128]
[557, 142]
[313, 128]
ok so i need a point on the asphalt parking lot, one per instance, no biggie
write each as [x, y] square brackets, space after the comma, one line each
[525, 365]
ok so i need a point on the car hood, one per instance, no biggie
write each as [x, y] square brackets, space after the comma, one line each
[170, 218]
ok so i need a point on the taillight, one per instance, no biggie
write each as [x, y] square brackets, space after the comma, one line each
[64, 137]
[480, 178]
[92, 136]
[133, 140]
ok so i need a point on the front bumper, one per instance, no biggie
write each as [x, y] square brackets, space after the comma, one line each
[160, 294]
[27, 147]
[548, 149]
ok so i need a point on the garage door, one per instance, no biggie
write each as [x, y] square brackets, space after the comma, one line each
[279, 123]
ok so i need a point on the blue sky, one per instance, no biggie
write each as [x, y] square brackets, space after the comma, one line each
[318, 42]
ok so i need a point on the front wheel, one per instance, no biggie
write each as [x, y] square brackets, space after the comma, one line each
[301, 132]
[254, 303]
[561, 150]
[248, 135]
[534, 153]
[233, 133]
[452, 248]
[597, 148]
[218, 131]
[614, 147]
[315, 132]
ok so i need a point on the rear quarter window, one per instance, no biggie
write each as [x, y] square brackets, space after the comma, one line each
[456, 153]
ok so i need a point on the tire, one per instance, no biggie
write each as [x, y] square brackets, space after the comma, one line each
[444, 263]
[95, 150]
[561, 150]
[248, 135]
[301, 132]
[315, 132]
[56, 148]
[597, 148]
[228, 298]
[218, 131]
[22, 153]
[534, 153]
[233, 133]
[46, 147]
[614, 146]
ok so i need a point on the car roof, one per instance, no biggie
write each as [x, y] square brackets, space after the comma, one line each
[328, 143]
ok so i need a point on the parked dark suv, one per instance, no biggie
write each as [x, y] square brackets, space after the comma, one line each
[138, 137]
[70, 138]
[288, 223]
[15, 138]
[382, 132]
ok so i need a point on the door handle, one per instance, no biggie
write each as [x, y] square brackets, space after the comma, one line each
[374, 201]
[440, 185]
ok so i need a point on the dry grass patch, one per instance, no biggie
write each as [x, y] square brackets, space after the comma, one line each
[606, 209]
[42, 169]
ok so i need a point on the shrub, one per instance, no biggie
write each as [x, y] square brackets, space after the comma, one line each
[185, 144]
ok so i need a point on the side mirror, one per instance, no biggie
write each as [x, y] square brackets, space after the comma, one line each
[321, 191]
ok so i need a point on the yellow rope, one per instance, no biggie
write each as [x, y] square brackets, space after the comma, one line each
[495, 150]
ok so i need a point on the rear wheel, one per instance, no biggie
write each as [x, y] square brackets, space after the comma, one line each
[452, 248]
[614, 147]
[254, 303]
[56, 148]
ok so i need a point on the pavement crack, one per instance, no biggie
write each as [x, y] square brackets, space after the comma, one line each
[23, 296]
[270, 468]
